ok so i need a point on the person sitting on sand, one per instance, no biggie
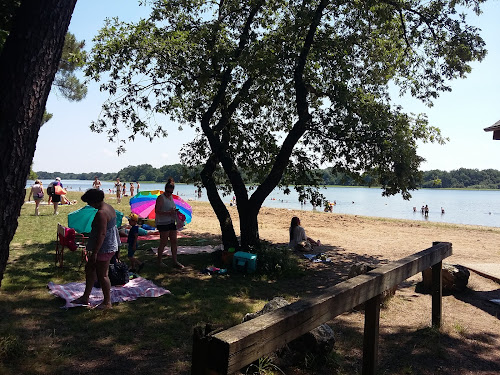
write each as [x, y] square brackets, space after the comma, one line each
[103, 243]
[298, 239]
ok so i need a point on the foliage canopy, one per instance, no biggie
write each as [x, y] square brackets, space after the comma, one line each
[277, 88]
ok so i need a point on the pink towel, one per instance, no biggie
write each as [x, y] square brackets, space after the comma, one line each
[134, 289]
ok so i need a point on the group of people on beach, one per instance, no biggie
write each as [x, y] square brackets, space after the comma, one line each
[104, 240]
[55, 191]
[121, 189]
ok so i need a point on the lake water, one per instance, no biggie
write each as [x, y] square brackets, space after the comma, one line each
[474, 207]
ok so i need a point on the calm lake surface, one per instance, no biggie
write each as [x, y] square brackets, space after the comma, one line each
[474, 207]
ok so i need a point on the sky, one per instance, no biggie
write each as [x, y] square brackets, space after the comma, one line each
[66, 143]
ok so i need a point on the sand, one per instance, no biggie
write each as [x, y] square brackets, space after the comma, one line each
[470, 340]
[386, 239]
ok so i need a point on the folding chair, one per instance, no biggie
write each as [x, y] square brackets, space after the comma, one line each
[67, 237]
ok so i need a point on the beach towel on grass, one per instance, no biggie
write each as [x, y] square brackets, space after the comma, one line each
[134, 289]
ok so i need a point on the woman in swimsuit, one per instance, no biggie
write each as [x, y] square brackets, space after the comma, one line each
[103, 243]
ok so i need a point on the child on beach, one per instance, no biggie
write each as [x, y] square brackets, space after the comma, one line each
[135, 265]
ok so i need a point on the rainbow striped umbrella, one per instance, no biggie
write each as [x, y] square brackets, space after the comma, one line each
[143, 204]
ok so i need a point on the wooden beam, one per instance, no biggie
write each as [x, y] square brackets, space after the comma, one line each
[246, 342]
[370, 336]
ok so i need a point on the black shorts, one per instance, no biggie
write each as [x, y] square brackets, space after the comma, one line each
[166, 227]
[56, 198]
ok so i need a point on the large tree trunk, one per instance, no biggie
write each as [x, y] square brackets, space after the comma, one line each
[249, 225]
[229, 238]
[28, 64]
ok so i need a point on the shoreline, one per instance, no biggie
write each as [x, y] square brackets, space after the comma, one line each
[381, 238]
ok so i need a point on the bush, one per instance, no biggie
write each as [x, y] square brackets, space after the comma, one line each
[276, 260]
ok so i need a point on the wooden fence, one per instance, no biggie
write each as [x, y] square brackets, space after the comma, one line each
[228, 351]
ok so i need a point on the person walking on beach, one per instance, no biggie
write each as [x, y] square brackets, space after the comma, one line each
[37, 192]
[56, 198]
[166, 216]
[96, 184]
[132, 189]
[118, 187]
[103, 243]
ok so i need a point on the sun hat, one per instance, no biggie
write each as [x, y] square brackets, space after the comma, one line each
[58, 178]
[134, 217]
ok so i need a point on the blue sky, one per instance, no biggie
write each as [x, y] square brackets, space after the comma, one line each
[66, 144]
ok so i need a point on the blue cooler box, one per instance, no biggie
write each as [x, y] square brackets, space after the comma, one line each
[244, 262]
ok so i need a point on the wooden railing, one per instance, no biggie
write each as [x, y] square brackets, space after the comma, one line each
[228, 351]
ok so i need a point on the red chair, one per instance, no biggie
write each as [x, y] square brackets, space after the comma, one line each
[67, 237]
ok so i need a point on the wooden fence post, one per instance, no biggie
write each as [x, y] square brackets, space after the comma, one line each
[370, 337]
[437, 292]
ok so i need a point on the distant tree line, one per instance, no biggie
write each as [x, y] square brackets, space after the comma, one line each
[143, 172]
[457, 179]
[460, 178]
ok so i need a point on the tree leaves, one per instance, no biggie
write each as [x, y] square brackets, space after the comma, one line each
[234, 66]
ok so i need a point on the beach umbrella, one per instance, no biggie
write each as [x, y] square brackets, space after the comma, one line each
[143, 204]
[81, 220]
[184, 207]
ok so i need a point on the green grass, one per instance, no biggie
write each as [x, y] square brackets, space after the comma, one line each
[38, 337]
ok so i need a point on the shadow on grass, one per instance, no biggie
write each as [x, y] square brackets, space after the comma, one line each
[141, 336]
[153, 335]
[423, 351]
[481, 300]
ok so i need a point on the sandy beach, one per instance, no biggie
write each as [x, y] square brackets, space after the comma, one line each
[471, 325]
[385, 239]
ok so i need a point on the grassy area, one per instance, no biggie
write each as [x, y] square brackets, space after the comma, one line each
[38, 337]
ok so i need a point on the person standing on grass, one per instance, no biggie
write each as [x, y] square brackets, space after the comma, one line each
[56, 198]
[103, 243]
[133, 233]
[118, 187]
[37, 192]
[96, 184]
[166, 215]
[132, 189]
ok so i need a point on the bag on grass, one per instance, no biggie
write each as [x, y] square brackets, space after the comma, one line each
[118, 273]
[303, 246]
